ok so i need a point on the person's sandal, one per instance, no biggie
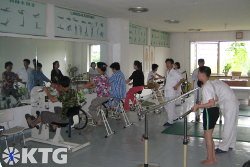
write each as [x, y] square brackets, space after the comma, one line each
[32, 118]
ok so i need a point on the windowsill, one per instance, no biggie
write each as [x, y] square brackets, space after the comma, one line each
[229, 76]
[222, 75]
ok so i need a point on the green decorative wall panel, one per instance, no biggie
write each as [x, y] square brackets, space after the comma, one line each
[137, 34]
[74, 24]
[22, 17]
[159, 38]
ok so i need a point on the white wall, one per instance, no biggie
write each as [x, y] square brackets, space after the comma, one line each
[120, 50]
[161, 54]
[80, 56]
[180, 43]
[16, 49]
[136, 53]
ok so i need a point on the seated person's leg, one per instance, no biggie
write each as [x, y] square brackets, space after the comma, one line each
[113, 103]
[72, 112]
[95, 103]
[129, 96]
[32, 121]
[46, 117]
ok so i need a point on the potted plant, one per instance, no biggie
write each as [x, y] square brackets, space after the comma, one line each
[227, 68]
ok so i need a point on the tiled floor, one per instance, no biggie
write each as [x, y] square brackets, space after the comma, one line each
[126, 149]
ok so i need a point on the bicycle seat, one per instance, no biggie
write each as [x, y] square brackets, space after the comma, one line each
[104, 103]
[140, 92]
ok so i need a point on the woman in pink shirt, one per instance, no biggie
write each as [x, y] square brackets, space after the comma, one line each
[101, 84]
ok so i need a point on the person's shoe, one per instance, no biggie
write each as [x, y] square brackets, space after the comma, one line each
[219, 151]
[176, 119]
[167, 124]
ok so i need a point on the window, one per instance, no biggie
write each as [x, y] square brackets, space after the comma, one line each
[219, 54]
[94, 53]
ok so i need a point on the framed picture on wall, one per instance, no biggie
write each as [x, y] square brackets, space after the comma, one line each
[239, 35]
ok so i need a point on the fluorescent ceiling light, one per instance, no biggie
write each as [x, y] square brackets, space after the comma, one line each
[172, 21]
[138, 9]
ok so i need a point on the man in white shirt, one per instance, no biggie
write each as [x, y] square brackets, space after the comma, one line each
[229, 106]
[25, 74]
[197, 94]
[173, 82]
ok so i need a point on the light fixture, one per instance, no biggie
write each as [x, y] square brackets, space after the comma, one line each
[138, 9]
[195, 29]
[172, 21]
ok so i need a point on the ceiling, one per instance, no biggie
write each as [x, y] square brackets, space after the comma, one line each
[208, 15]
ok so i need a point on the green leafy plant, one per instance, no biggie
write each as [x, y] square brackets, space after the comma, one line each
[227, 68]
[238, 56]
[81, 96]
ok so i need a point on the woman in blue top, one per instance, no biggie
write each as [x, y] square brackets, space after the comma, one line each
[117, 82]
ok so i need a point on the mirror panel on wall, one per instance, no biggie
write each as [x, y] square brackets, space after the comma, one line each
[68, 53]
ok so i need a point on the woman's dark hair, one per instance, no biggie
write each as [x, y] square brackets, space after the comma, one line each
[64, 81]
[35, 62]
[201, 61]
[246, 164]
[169, 60]
[92, 63]
[205, 70]
[138, 64]
[26, 60]
[54, 63]
[154, 66]
[178, 65]
[115, 66]
[102, 66]
[39, 65]
[7, 64]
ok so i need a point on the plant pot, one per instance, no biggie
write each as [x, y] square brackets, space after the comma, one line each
[236, 73]
[226, 74]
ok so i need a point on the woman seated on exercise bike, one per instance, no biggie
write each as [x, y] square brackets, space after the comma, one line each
[117, 86]
[70, 106]
[101, 84]
[138, 84]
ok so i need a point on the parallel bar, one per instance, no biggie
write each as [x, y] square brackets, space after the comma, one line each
[185, 114]
[170, 101]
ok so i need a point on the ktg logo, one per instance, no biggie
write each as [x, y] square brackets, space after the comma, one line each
[12, 156]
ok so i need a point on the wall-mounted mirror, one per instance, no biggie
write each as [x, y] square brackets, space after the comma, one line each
[74, 59]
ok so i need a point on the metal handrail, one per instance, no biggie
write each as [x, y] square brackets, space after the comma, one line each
[170, 101]
[185, 114]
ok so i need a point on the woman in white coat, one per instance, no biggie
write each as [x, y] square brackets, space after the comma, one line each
[229, 106]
